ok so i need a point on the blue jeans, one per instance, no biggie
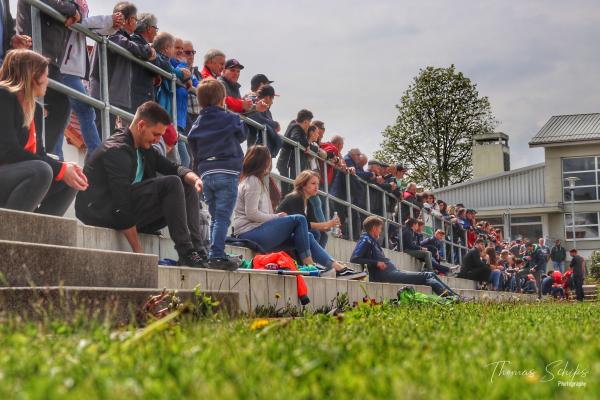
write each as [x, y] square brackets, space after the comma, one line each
[320, 237]
[184, 156]
[85, 114]
[220, 193]
[391, 274]
[559, 266]
[495, 279]
[292, 229]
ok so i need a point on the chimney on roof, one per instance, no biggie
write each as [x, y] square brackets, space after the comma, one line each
[491, 154]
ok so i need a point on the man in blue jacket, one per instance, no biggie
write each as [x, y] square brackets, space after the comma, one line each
[368, 252]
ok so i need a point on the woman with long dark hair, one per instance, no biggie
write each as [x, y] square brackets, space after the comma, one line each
[31, 180]
[255, 220]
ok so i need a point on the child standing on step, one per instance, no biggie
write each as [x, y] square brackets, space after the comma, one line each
[215, 140]
[368, 252]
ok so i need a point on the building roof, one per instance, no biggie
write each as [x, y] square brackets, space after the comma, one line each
[568, 129]
[523, 187]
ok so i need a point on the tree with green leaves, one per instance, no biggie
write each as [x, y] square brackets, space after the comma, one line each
[439, 114]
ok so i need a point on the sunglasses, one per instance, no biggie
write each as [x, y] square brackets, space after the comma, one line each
[190, 52]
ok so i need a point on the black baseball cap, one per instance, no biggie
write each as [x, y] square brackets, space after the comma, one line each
[400, 167]
[266, 91]
[258, 79]
[233, 63]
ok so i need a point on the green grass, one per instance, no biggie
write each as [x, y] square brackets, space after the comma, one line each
[414, 352]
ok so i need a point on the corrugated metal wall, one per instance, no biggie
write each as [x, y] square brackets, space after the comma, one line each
[513, 189]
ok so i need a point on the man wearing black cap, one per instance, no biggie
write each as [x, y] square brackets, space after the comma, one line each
[259, 81]
[265, 95]
[229, 77]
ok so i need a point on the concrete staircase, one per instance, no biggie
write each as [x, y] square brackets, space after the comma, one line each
[50, 264]
[48, 258]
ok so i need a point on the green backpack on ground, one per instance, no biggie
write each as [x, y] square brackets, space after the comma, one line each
[407, 296]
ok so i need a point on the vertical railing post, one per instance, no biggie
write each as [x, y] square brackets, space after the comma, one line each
[326, 187]
[349, 200]
[386, 239]
[174, 102]
[368, 196]
[400, 244]
[264, 136]
[103, 70]
[36, 37]
[297, 159]
[452, 243]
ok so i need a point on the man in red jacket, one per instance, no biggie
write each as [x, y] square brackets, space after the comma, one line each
[214, 62]
[229, 77]
[334, 151]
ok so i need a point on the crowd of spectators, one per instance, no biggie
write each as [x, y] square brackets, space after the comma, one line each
[166, 169]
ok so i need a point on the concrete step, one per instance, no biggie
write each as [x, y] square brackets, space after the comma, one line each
[22, 226]
[28, 264]
[116, 305]
[262, 290]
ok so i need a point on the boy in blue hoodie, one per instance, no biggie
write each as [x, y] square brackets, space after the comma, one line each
[368, 252]
[215, 140]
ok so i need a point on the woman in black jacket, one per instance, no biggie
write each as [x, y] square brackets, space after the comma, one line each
[31, 180]
[306, 185]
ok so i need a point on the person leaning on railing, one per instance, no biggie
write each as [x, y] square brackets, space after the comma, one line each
[31, 180]
[9, 38]
[142, 82]
[297, 131]
[75, 66]
[254, 219]
[54, 36]
[265, 94]
[120, 69]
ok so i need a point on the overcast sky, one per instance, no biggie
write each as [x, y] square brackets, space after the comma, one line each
[350, 61]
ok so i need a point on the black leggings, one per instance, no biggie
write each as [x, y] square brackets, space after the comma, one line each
[29, 186]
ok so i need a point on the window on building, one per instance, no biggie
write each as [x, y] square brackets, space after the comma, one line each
[586, 226]
[526, 228]
[587, 169]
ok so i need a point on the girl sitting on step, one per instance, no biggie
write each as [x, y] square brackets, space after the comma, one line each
[255, 220]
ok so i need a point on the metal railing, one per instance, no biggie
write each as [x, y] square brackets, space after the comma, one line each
[104, 45]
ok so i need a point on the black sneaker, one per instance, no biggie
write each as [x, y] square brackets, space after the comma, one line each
[324, 272]
[226, 264]
[192, 259]
[348, 273]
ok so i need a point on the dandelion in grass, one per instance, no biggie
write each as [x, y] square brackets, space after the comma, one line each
[259, 324]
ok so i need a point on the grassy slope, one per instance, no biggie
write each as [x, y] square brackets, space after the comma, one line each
[406, 352]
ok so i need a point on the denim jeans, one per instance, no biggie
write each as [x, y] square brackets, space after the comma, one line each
[495, 279]
[559, 266]
[292, 229]
[85, 114]
[422, 255]
[184, 155]
[320, 237]
[391, 274]
[220, 193]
